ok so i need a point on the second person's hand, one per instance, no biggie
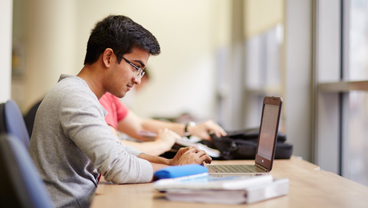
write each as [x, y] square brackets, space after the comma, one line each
[166, 138]
[202, 130]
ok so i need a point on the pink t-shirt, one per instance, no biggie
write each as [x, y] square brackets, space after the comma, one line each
[115, 109]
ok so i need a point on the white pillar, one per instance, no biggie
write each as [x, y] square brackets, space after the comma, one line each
[50, 42]
[6, 19]
[298, 81]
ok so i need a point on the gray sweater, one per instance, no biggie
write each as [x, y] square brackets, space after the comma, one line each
[71, 144]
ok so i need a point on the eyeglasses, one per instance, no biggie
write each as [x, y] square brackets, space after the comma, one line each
[139, 71]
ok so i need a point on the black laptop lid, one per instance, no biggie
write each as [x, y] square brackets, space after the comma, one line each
[268, 131]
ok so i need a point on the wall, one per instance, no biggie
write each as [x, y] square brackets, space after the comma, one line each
[6, 8]
[261, 15]
[183, 75]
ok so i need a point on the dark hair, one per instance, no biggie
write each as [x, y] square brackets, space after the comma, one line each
[121, 34]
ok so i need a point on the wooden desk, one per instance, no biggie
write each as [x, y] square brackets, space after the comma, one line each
[309, 187]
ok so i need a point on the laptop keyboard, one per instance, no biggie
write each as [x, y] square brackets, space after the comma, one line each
[235, 168]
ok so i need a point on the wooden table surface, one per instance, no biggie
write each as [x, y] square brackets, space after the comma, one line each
[309, 187]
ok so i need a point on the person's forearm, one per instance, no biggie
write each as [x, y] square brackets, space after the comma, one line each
[156, 166]
[150, 148]
[155, 159]
[154, 125]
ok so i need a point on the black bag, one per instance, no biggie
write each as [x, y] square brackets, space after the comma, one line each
[243, 145]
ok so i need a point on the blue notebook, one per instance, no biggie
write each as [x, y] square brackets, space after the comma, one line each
[179, 171]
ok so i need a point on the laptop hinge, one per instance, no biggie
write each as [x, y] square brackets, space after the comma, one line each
[261, 167]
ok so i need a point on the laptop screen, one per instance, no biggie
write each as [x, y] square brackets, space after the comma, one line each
[268, 131]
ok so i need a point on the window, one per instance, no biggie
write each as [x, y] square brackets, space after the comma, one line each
[342, 100]
[355, 141]
[263, 71]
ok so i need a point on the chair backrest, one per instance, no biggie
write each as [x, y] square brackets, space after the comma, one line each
[20, 183]
[2, 119]
[30, 117]
[14, 122]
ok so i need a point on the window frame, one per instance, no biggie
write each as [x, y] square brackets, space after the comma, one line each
[332, 93]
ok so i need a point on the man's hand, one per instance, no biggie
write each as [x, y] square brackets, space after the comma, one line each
[202, 130]
[190, 155]
[167, 138]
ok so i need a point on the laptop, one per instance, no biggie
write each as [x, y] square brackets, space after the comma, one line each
[265, 153]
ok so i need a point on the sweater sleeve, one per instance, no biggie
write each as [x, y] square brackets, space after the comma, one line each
[82, 119]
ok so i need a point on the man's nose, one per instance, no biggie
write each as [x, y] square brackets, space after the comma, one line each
[137, 80]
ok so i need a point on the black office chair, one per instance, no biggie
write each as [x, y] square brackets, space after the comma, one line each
[2, 119]
[20, 183]
[13, 120]
[30, 117]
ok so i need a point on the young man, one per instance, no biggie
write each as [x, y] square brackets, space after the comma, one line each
[71, 143]
[121, 118]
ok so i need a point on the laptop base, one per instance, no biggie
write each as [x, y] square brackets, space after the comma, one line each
[236, 170]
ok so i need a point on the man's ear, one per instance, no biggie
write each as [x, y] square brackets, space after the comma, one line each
[107, 57]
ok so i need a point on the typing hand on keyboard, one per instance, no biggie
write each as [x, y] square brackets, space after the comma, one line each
[190, 155]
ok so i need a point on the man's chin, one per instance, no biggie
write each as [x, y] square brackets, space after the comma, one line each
[120, 95]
